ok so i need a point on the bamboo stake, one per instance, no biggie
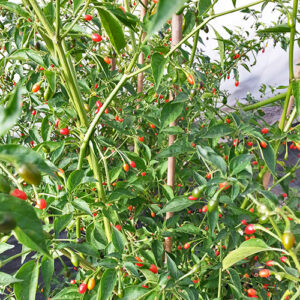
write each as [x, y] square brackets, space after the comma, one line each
[176, 38]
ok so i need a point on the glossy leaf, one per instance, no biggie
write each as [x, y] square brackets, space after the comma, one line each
[177, 204]
[113, 29]
[158, 63]
[246, 249]
[11, 112]
[165, 10]
[29, 229]
[107, 284]
[118, 240]
[29, 274]
[170, 112]
[6, 279]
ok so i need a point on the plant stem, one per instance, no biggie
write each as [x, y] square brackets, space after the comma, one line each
[291, 64]
[57, 19]
[264, 102]
[11, 177]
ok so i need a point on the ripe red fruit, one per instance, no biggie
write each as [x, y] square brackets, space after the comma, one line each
[143, 173]
[208, 176]
[179, 247]
[250, 229]
[270, 263]
[132, 164]
[19, 194]
[250, 144]
[98, 104]
[107, 60]
[227, 120]
[138, 259]
[141, 139]
[224, 185]
[34, 112]
[145, 286]
[153, 269]
[41, 203]
[204, 209]
[88, 17]
[64, 131]
[96, 37]
[195, 280]
[244, 222]
[73, 281]
[36, 88]
[264, 130]
[236, 83]
[152, 214]
[118, 227]
[152, 126]
[284, 195]
[82, 288]
[251, 292]
[264, 273]
[235, 142]
[57, 122]
[126, 167]
[192, 198]
[186, 246]
[190, 79]
[106, 111]
[263, 144]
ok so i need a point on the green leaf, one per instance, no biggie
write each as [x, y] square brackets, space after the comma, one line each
[118, 240]
[203, 6]
[212, 221]
[235, 279]
[17, 154]
[27, 55]
[177, 204]
[82, 205]
[107, 284]
[221, 48]
[188, 228]
[49, 11]
[51, 78]
[67, 294]
[46, 129]
[29, 273]
[113, 29]
[296, 93]
[134, 292]
[177, 148]
[75, 179]
[246, 249]
[170, 112]
[29, 229]
[212, 157]
[168, 191]
[4, 247]
[277, 28]
[47, 268]
[172, 268]
[269, 157]
[85, 248]
[10, 114]
[218, 131]
[76, 4]
[6, 279]
[239, 163]
[158, 63]
[165, 10]
[15, 8]
[61, 222]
